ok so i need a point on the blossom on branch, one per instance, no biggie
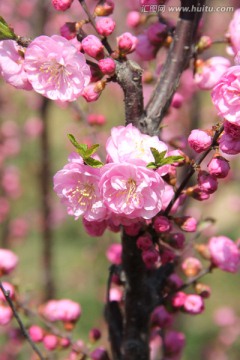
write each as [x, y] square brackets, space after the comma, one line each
[56, 69]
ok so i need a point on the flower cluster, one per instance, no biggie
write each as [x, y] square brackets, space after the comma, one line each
[123, 189]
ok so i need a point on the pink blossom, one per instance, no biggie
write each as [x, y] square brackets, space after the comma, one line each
[11, 65]
[144, 49]
[107, 66]
[77, 186]
[64, 342]
[174, 342]
[133, 19]
[50, 342]
[55, 68]
[225, 316]
[93, 47]
[174, 281]
[96, 119]
[229, 145]
[225, 95]
[234, 30]
[161, 224]
[219, 167]
[150, 257]
[209, 72]
[8, 261]
[161, 317]
[127, 43]
[178, 299]
[237, 58]
[207, 182]
[199, 140]
[133, 191]
[62, 5]
[191, 266]
[177, 240]
[231, 129]
[36, 333]
[115, 294]
[19, 228]
[94, 228]
[105, 26]
[4, 208]
[11, 182]
[193, 304]
[127, 143]
[5, 314]
[65, 310]
[187, 223]
[224, 253]
[114, 254]
[156, 33]
[9, 288]
[99, 354]
[144, 242]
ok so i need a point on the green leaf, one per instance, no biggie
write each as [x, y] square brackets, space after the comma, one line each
[158, 156]
[170, 160]
[90, 151]
[152, 165]
[81, 148]
[93, 162]
[6, 32]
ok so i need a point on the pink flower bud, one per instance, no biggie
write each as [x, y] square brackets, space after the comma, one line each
[177, 100]
[156, 33]
[134, 19]
[114, 254]
[178, 299]
[174, 281]
[198, 193]
[99, 354]
[133, 229]
[207, 182]
[150, 257]
[8, 261]
[199, 140]
[167, 256]
[144, 49]
[115, 294]
[193, 304]
[162, 224]
[68, 30]
[50, 342]
[93, 47]
[94, 228]
[5, 314]
[187, 223]
[177, 240]
[224, 253]
[96, 119]
[161, 317]
[203, 290]
[36, 333]
[191, 266]
[64, 342]
[93, 91]
[144, 242]
[94, 334]
[107, 66]
[219, 167]
[126, 43]
[9, 288]
[62, 5]
[105, 9]
[105, 26]
[173, 342]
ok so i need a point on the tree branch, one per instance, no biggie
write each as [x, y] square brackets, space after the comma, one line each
[179, 55]
[24, 331]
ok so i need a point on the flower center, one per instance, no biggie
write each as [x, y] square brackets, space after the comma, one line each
[56, 72]
[131, 190]
[82, 194]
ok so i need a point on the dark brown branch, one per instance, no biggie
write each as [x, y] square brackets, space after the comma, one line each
[178, 59]
[17, 317]
[129, 77]
[137, 302]
[192, 171]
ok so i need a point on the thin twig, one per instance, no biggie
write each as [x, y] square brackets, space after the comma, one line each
[192, 171]
[92, 21]
[23, 329]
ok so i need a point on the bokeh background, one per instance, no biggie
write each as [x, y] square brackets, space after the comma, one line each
[57, 258]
